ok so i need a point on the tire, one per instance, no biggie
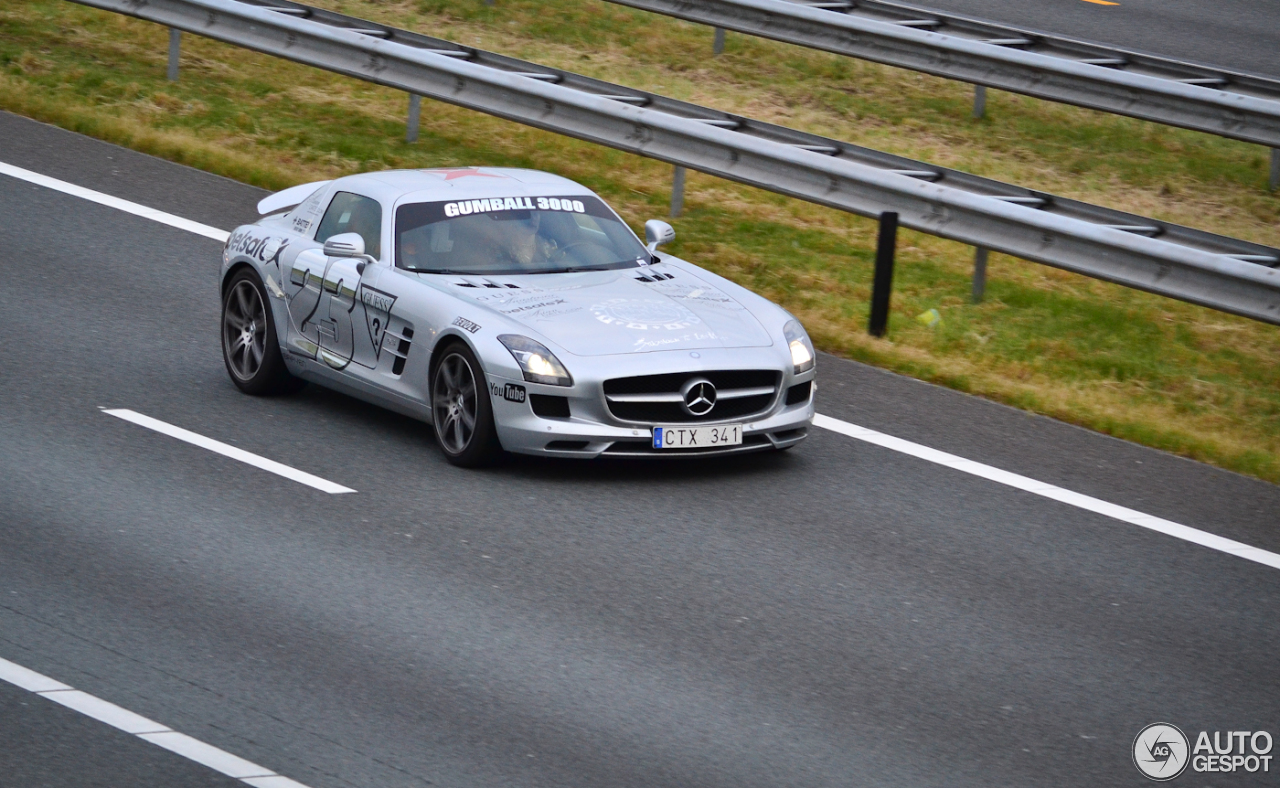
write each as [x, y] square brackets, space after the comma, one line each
[460, 408]
[250, 349]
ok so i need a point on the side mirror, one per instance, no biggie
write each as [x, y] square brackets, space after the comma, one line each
[344, 245]
[657, 233]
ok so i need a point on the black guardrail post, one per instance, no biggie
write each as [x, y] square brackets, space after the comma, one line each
[882, 285]
[979, 274]
[677, 191]
[175, 51]
[415, 115]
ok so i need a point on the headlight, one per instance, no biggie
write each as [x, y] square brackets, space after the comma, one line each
[801, 348]
[537, 363]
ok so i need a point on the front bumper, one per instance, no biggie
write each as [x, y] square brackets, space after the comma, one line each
[591, 430]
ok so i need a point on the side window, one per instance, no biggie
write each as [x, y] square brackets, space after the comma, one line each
[351, 213]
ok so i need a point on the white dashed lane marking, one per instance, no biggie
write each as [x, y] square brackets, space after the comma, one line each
[1016, 481]
[218, 447]
[114, 202]
[148, 730]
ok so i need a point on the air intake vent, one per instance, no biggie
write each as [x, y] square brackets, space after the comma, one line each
[483, 282]
[799, 393]
[403, 340]
[567, 445]
[549, 407]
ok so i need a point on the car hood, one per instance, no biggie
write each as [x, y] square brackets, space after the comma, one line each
[601, 313]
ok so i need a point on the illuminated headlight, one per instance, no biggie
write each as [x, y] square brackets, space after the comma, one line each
[801, 348]
[538, 364]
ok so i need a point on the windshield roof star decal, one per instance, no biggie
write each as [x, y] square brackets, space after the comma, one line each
[450, 173]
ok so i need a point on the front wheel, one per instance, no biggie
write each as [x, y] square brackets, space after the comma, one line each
[460, 409]
[249, 346]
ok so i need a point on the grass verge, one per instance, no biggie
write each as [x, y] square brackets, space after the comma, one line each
[1169, 375]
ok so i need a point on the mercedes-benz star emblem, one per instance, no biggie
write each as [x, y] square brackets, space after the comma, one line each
[699, 396]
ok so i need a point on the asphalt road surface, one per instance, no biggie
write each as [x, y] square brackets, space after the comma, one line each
[1237, 35]
[837, 615]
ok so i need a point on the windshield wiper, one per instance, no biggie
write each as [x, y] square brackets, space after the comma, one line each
[578, 269]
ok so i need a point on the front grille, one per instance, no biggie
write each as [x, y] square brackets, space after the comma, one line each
[655, 399]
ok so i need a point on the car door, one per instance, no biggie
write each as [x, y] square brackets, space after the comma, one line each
[327, 318]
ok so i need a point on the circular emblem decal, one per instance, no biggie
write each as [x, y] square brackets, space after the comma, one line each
[699, 396]
[644, 314]
[1160, 751]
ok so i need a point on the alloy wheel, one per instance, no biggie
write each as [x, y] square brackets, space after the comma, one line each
[453, 398]
[244, 329]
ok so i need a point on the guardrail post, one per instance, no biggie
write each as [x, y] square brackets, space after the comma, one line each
[175, 49]
[1275, 169]
[415, 111]
[882, 285]
[979, 100]
[677, 191]
[717, 45]
[979, 274]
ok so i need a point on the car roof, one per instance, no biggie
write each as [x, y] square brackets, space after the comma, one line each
[458, 183]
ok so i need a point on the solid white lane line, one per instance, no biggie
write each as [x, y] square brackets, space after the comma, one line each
[28, 680]
[114, 202]
[1096, 505]
[272, 781]
[148, 730]
[302, 477]
[102, 711]
[1026, 484]
[207, 754]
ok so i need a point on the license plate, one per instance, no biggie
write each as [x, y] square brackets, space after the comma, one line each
[697, 437]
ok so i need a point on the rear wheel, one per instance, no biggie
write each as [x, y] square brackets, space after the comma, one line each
[249, 346]
[460, 409]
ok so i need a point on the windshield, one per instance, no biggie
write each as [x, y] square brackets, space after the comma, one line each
[514, 235]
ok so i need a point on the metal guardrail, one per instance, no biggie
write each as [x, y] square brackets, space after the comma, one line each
[1230, 104]
[834, 148]
[1215, 271]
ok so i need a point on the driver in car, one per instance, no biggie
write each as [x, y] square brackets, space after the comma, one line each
[517, 239]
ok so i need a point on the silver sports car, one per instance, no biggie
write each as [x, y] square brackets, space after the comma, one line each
[511, 309]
